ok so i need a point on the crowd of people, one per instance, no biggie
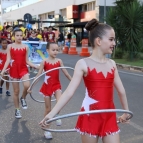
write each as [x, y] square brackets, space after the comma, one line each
[47, 34]
[99, 73]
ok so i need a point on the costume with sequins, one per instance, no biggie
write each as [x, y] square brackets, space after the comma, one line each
[99, 84]
[51, 82]
[18, 66]
[3, 57]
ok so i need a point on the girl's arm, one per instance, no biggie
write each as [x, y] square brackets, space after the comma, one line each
[39, 73]
[28, 62]
[65, 71]
[7, 60]
[80, 70]
[122, 95]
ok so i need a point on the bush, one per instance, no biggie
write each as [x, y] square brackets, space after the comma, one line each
[118, 53]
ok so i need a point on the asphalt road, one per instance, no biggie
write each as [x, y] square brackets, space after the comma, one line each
[26, 130]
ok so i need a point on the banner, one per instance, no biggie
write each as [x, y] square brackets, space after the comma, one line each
[37, 51]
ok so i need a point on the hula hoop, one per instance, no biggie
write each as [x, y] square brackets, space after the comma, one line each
[16, 79]
[30, 88]
[83, 113]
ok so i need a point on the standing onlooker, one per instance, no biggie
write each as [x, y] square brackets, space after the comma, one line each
[7, 34]
[26, 34]
[60, 41]
[44, 34]
[39, 34]
[33, 37]
[50, 35]
[57, 32]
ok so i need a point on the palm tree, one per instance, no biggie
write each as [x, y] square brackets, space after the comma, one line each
[128, 24]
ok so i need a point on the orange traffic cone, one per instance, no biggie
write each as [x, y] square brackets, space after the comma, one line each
[66, 48]
[72, 50]
[84, 50]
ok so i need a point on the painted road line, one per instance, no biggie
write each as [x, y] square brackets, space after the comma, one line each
[130, 73]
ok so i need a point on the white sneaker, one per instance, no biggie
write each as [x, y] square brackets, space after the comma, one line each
[23, 103]
[59, 122]
[48, 135]
[17, 114]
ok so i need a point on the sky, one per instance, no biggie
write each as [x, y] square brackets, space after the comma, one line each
[22, 4]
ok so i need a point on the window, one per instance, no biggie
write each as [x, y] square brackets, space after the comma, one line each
[84, 7]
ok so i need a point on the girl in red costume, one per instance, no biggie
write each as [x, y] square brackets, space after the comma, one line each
[3, 55]
[51, 83]
[17, 56]
[100, 75]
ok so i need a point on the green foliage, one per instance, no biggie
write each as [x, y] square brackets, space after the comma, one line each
[127, 20]
[119, 53]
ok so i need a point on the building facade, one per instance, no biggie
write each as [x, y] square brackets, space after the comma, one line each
[73, 10]
[78, 12]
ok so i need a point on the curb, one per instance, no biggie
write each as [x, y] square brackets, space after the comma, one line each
[129, 67]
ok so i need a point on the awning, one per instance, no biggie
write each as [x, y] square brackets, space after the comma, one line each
[39, 21]
[76, 24]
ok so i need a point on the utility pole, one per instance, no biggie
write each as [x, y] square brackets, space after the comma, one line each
[104, 11]
[1, 12]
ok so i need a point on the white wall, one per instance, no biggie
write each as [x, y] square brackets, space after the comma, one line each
[108, 2]
[42, 7]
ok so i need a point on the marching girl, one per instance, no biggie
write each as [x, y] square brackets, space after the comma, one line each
[17, 56]
[100, 75]
[51, 83]
[3, 55]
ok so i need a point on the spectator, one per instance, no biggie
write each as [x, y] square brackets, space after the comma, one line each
[61, 40]
[26, 33]
[39, 34]
[7, 34]
[33, 37]
[44, 34]
[50, 35]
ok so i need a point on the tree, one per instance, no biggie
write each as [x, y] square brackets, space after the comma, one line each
[128, 24]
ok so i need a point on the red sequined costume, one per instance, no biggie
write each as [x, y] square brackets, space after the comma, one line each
[3, 57]
[99, 84]
[18, 67]
[51, 82]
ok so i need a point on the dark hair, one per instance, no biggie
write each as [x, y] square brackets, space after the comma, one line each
[16, 30]
[46, 28]
[8, 26]
[49, 43]
[2, 39]
[96, 29]
[26, 30]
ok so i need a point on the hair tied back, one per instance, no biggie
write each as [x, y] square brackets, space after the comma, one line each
[91, 24]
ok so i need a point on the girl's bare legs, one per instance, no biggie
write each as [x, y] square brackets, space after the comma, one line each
[7, 83]
[89, 139]
[47, 134]
[58, 94]
[26, 85]
[111, 138]
[16, 94]
[47, 105]
[1, 82]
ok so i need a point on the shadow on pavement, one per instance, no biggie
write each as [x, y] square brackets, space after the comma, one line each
[5, 104]
[19, 133]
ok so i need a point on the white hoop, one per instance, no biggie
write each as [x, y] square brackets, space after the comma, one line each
[83, 113]
[30, 88]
